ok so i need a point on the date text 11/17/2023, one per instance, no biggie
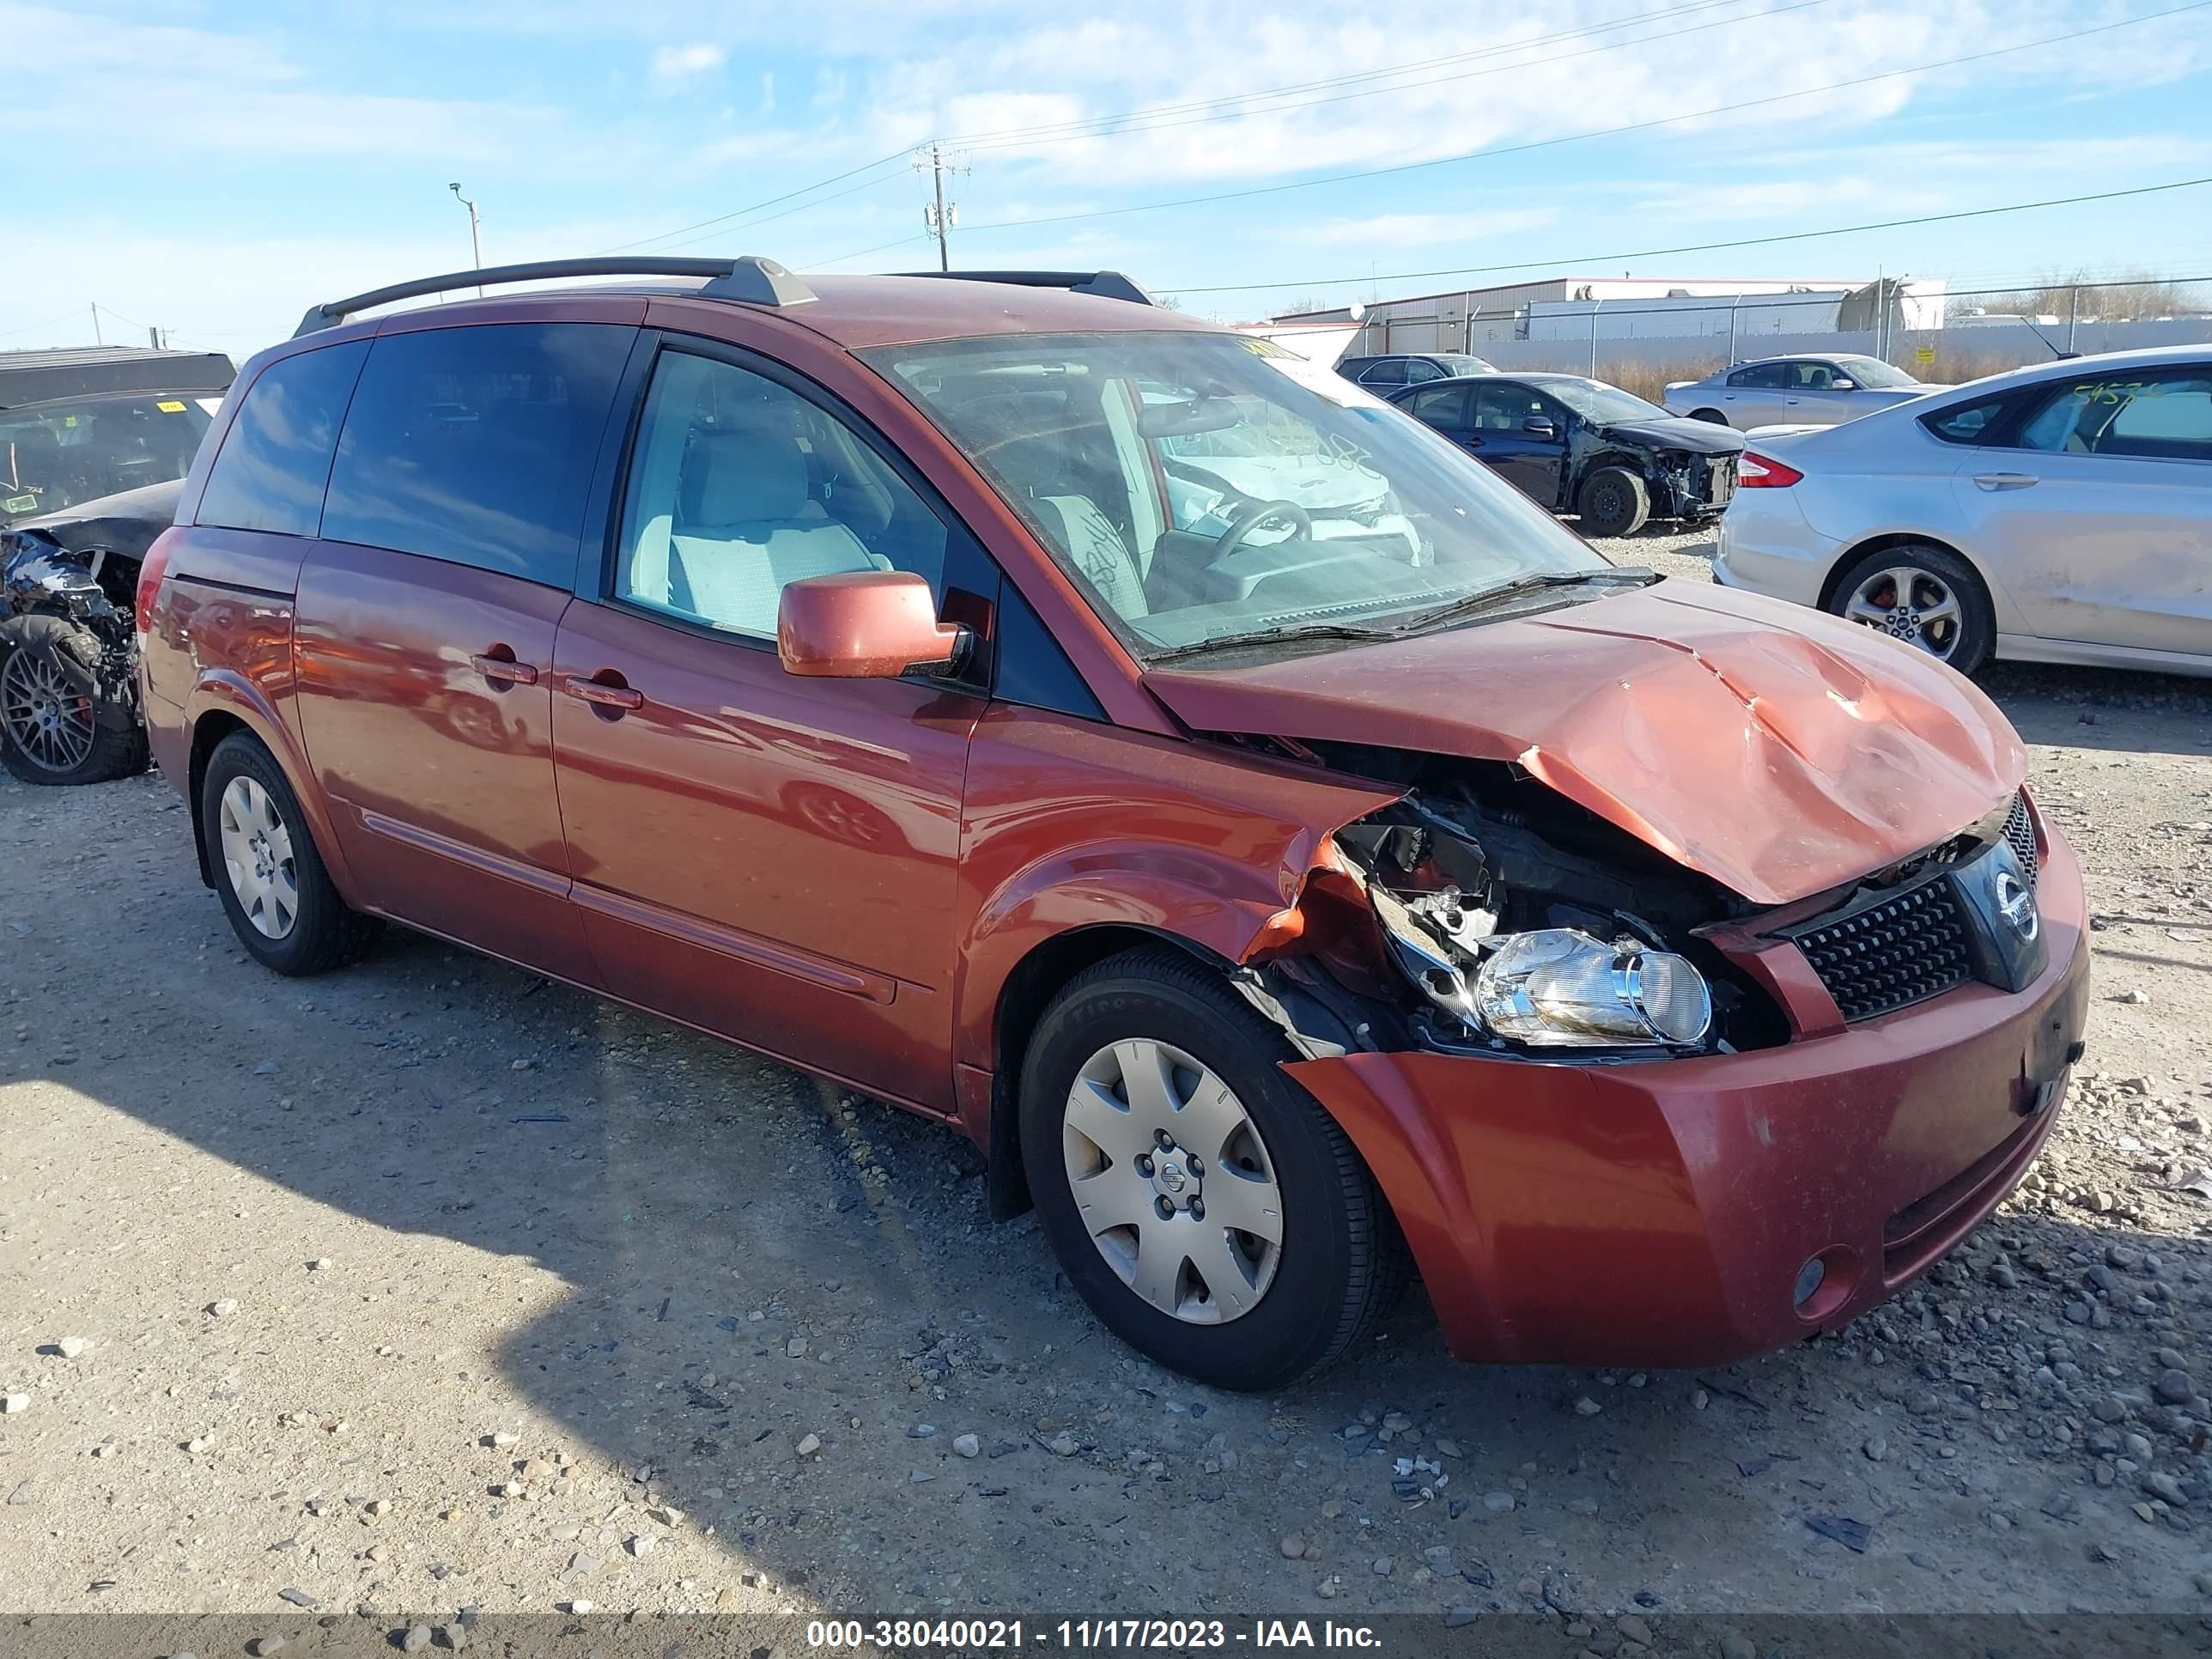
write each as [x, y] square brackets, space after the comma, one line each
[1083, 1635]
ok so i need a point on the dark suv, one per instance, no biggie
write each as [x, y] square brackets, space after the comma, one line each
[1279, 844]
[1380, 375]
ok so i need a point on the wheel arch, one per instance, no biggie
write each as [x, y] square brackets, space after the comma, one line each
[1027, 990]
[224, 704]
[1888, 540]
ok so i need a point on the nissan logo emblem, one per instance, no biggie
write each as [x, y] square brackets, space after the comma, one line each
[2016, 904]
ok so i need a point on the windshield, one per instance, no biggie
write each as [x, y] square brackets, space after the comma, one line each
[56, 455]
[1596, 402]
[1873, 371]
[1201, 487]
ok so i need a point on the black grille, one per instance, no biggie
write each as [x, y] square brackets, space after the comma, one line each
[1903, 950]
[2022, 834]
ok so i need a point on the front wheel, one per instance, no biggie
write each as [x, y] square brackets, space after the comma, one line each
[58, 723]
[1614, 502]
[1209, 1211]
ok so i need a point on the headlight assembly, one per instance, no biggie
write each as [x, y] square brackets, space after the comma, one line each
[1560, 987]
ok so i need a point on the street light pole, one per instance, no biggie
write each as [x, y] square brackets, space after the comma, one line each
[476, 238]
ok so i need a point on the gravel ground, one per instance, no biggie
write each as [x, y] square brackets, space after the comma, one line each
[431, 1284]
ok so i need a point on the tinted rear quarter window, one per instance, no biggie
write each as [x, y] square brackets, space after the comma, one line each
[477, 445]
[1967, 424]
[276, 458]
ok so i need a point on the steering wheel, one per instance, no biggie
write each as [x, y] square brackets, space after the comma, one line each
[1255, 515]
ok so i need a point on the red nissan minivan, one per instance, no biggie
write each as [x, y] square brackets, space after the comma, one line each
[1291, 855]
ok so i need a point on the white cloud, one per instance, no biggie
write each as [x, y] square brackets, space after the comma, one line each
[674, 63]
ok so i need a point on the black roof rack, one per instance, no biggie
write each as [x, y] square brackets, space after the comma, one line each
[750, 280]
[1107, 284]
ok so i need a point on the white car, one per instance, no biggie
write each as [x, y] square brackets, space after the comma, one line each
[1802, 391]
[2058, 514]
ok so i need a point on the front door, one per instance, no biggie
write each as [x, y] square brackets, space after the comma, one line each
[424, 639]
[2097, 516]
[1523, 435]
[770, 858]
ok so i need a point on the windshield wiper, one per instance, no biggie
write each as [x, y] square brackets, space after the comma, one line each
[1635, 574]
[1268, 636]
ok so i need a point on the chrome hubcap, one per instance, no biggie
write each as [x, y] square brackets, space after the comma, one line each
[49, 719]
[1172, 1181]
[257, 857]
[1912, 604]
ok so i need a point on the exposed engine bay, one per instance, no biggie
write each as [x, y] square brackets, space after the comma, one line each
[1501, 918]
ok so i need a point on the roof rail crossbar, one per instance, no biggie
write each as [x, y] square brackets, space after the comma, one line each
[750, 281]
[1107, 284]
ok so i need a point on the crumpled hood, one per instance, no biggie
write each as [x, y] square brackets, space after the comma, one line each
[1679, 432]
[1779, 751]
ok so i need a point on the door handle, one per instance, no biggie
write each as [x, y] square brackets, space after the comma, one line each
[1996, 481]
[504, 670]
[597, 691]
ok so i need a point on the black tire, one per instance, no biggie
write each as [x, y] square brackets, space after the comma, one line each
[1614, 501]
[1712, 414]
[1341, 1261]
[57, 652]
[324, 933]
[1978, 628]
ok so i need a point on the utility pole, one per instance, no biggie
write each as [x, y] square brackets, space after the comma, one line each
[944, 214]
[97, 336]
[475, 240]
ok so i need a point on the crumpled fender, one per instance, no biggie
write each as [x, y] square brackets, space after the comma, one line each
[1071, 825]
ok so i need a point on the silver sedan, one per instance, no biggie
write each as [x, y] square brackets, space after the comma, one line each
[2058, 514]
[1794, 391]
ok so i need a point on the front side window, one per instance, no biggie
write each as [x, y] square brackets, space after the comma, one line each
[1505, 406]
[477, 445]
[739, 485]
[2129, 412]
[276, 458]
[58, 454]
[1420, 370]
[1810, 377]
[1204, 486]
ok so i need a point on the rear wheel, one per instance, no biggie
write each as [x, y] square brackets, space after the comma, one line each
[1614, 502]
[1712, 414]
[56, 725]
[1927, 597]
[280, 899]
[1211, 1213]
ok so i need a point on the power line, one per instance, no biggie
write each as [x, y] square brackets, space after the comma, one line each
[771, 218]
[1590, 259]
[739, 213]
[899, 241]
[1579, 137]
[1228, 107]
[70, 316]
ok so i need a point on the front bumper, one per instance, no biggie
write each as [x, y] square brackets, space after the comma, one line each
[1661, 1213]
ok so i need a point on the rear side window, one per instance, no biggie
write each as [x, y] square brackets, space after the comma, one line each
[1761, 374]
[276, 458]
[1967, 424]
[477, 445]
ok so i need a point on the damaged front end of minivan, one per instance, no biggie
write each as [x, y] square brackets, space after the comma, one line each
[1482, 913]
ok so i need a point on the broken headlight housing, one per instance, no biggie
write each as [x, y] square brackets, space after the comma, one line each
[1561, 988]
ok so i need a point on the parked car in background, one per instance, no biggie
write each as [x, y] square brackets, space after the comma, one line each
[76, 425]
[1794, 391]
[69, 699]
[906, 677]
[1379, 375]
[2058, 514]
[1582, 446]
